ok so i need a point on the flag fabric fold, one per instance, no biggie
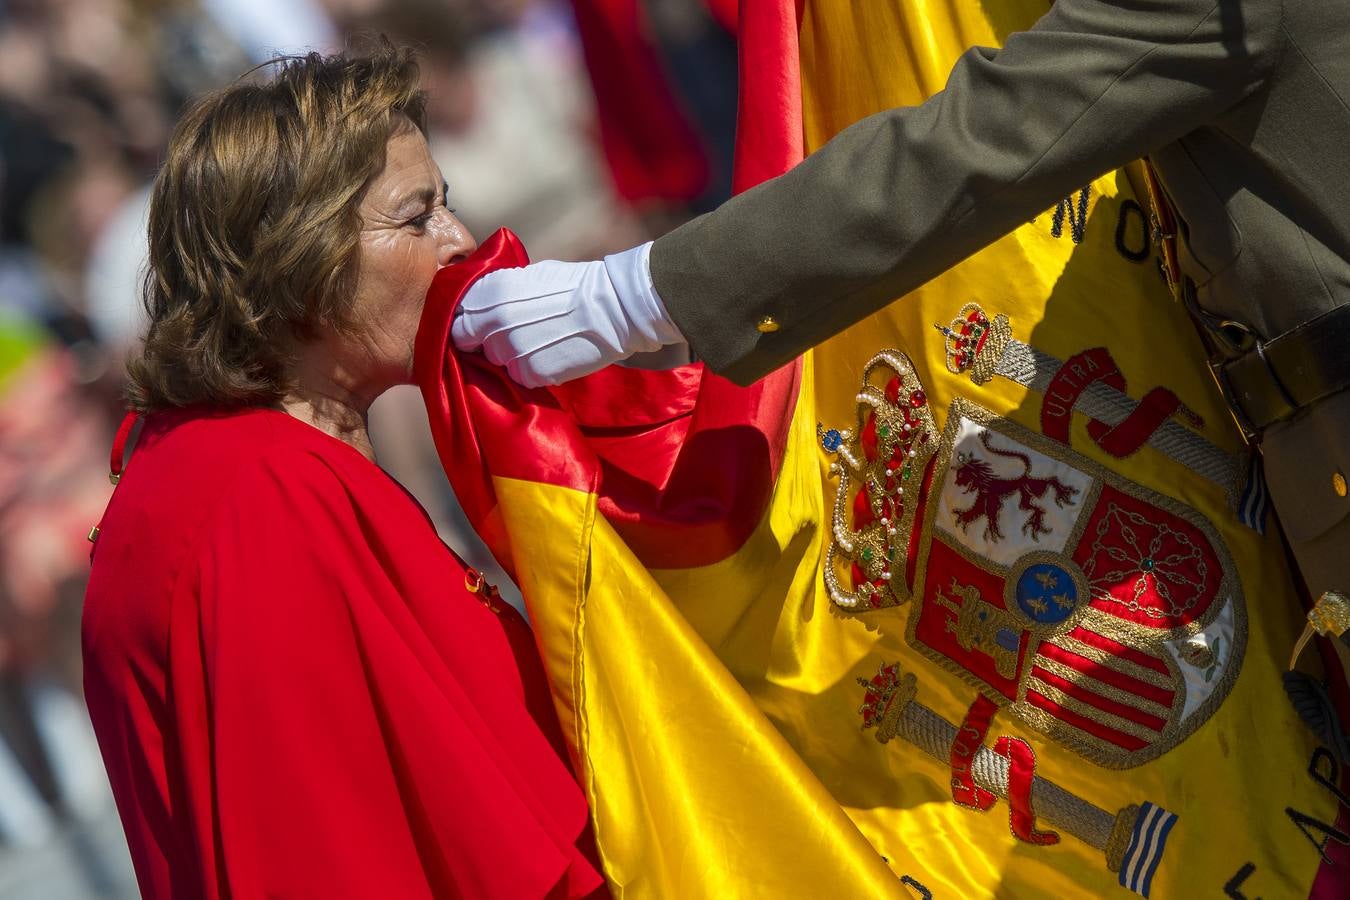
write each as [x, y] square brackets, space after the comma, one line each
[687, 779]
[961, 604]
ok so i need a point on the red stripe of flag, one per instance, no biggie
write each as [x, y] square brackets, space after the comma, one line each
[1083, 723]
[1106, 675]
[770, 137]
[1138, 657]
[652, 147]
[1086, 695]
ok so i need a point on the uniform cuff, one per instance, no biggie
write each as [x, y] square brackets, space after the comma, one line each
[630, 274]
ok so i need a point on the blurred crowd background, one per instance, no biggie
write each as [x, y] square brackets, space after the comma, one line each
[584, 126]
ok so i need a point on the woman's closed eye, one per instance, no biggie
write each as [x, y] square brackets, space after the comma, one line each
[419, 223]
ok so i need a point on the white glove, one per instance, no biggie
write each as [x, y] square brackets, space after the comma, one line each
[551, 321]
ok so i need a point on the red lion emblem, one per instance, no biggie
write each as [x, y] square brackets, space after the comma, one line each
[975, 475]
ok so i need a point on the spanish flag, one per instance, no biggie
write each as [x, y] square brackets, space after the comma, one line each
[977, 599]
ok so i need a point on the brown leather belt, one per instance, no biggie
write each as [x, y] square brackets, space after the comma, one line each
[1274, 379]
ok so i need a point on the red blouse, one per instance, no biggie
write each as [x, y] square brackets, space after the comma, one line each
[295, 694]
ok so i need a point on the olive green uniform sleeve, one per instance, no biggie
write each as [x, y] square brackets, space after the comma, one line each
[903, 195]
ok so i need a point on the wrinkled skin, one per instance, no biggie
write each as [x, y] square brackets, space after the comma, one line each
[408, 234]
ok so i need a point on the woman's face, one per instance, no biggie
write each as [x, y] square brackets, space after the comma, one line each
[407, 234]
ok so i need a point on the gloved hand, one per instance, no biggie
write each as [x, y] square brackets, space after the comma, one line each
[551, 321]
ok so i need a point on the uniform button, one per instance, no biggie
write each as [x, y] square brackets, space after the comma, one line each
[767, 325]
[1338, 484]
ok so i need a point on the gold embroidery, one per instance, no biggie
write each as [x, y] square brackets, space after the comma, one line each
[875, 513]
[1109, 691]
[891, 706]
[975, 343]
[1123, 666]
[1033, 369]
[888, 694]
[1144, 565]
[1198, 654]
[905, 438]
[977, 625]
[1119, 841]
[1087, 710]
[1329, 617]
[1119, 630]
[1068, 600]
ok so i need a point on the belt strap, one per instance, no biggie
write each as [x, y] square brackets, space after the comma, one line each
[1277, 378]
[1274, 379]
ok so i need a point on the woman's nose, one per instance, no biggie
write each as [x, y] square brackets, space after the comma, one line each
[455, 243]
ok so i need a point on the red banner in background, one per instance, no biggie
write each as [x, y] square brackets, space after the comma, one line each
[724, 11]
[769, 136]
[653, 151]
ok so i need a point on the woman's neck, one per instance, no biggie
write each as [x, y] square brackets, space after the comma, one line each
[333, 403]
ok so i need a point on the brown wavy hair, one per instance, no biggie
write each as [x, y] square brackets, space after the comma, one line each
[254, 223]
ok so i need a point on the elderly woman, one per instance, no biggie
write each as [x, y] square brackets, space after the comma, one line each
[295, 690]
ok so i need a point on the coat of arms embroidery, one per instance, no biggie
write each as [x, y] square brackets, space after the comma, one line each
[1099, 612]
